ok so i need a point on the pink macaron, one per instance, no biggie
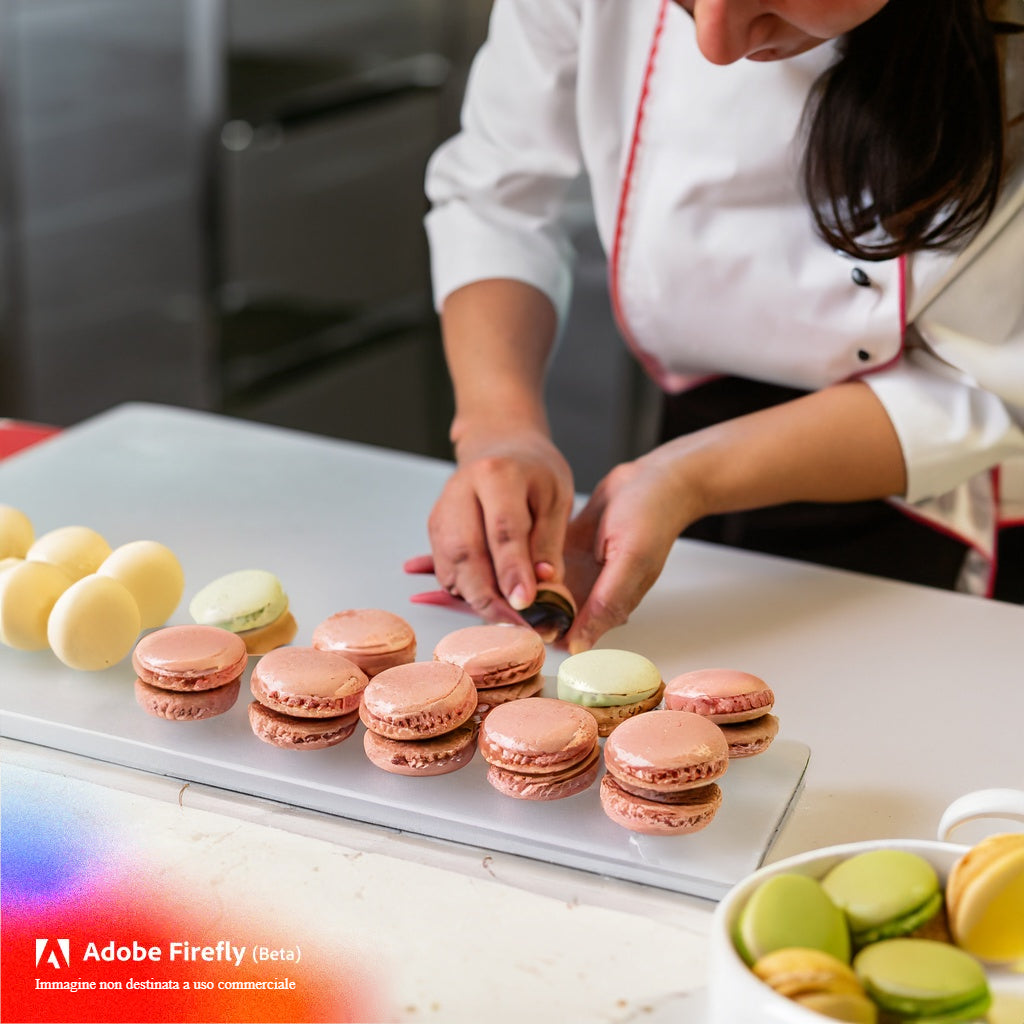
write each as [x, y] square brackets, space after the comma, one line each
[307, 683]
[747, 739]
[739, 702]
[494, 654]
[305, 699]
[540, 748]
[418, 701]
[493, 696]
[373, 638]
[190, 706]
[721, 694]
[188, 673]
[690, 811]
[189, 658]
[438, 755]
[661, 772]
[291, 732]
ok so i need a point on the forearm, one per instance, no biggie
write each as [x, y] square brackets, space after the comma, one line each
[500, 521]
[835, 445]
[498, 337]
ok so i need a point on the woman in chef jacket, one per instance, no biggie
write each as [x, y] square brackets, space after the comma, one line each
[818, 204]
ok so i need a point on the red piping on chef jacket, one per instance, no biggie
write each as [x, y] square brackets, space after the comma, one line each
[649, 363]
[658, 372]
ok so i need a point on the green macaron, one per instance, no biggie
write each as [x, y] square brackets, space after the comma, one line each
[923, 980]
[885, 894]
[240, 601]
[791, 910]
[605, 677]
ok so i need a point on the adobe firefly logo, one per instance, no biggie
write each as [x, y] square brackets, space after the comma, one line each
[56, 952]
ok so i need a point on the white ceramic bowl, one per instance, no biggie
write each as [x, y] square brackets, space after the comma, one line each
[736, 994]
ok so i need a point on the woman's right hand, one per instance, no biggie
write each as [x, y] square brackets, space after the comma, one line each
[499, 524]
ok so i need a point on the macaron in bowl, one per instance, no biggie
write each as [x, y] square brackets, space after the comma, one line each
[945, 990]
[924, 980]
[985, 898]
[818, 981]
[887, 894]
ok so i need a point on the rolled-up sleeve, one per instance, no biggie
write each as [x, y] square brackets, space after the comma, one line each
[498, 189]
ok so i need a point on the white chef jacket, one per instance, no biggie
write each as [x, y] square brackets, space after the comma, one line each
[714, 265]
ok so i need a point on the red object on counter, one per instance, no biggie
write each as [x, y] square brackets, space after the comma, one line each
[15, 435]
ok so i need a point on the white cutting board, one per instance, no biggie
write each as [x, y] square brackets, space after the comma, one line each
[335, 522]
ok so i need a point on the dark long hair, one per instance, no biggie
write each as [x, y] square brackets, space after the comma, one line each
[904, 133]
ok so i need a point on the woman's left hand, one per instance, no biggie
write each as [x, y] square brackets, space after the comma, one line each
[617, 545]
[837, 444]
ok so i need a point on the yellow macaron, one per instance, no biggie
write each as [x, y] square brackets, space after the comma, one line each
[16, 532]
[78, 550]
[94, 624]
[817, 980]
[153, 575]
[28, 592]
[985, 899]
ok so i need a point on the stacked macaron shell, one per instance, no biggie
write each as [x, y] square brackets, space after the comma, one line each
[879, 916]
[540, 748]
[612, 685]
[188, 673]
[251, 603]
[739, 702]
[661, 772]
[417, 718]
[503, 660]
[305, 699]
[69, 591]
[373, 638]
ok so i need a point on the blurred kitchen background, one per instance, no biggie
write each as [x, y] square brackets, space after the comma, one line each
[218, 204]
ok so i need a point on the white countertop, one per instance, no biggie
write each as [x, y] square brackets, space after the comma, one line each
[907, 697]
